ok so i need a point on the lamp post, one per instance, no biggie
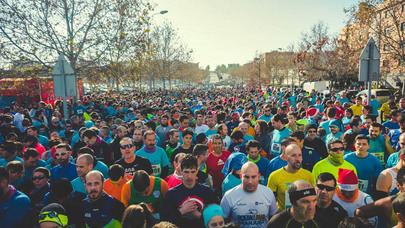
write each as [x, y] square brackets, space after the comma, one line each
[149, 48]
[258, 61]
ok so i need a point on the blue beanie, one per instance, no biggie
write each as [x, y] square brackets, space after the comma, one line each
[212, 211]
[234, 161]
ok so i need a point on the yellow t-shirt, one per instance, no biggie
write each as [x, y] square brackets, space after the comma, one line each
[279, 181]
[357, 110]
[325, 165]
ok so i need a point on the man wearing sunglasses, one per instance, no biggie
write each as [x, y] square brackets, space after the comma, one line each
[333, 162]
[65, 168]
[130, 161]
[328, 212]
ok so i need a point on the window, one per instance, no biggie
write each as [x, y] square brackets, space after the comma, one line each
[383, 93]
[385, 63]
[387, 47]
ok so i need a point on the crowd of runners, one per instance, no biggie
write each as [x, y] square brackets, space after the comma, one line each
[204, 158]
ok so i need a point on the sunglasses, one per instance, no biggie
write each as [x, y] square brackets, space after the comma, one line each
[311, 131]
[337, 149]
[328, 188]
[53, 217]
[127, 146]
[38, 178]
[60, 154]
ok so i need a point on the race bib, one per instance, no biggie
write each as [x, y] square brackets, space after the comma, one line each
[363, 184]
[380, 156]
[79, 111]
[276, 148]
[156, 170]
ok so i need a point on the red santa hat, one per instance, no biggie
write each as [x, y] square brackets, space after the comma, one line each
[347, 180]
[312, 112]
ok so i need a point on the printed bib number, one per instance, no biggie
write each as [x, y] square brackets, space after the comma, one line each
[380, 156]
[276, 148]
[156, 170]
[363, 184]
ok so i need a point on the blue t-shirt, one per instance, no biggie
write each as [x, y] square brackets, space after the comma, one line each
[210, 132]
[247, 137]
[158, 159]
[263, 164]
[331, 136]
[265, 118]
[79, 110]
[368, 170]
[377, 148]
[103, 168]
[275, 164]
[392, 160]
[230, 182]
[391, 125]
[394, 136]
[68, 171]
[319, 107]
[78, 185]
[343, 100]
[278, 136]
[43, 140]
[375, 105]
[14, 212]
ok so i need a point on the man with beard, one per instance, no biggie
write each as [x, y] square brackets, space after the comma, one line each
[211, 122]
[380, 145]
[302, 212]
[65, 168]
[367, 165]
[130, 161]
[101, 209]
[249, 204]
[163, 129]
[328, 212]
[156, 155]
[200, 126]
[14, 205]
[280, 180]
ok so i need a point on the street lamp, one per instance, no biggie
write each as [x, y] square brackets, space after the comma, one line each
[258, 61]
[149, 57]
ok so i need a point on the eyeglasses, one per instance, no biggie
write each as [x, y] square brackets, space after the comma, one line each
[336, 149]
[60, 154]
[38, 178]
[311, 131]
[126, 146]
[328, 188]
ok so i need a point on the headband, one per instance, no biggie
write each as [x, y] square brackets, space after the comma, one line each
[295, 196]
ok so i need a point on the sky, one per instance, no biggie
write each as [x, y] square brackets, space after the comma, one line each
[234, 31]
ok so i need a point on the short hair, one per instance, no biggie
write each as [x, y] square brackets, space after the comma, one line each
[137, 215]
[361, 136]
[370, 116]
[200, 149]
[189, 162]
[298, 134]
[61, 187]
[148, 132]
[151, 125]
[368, 108]
[31, 138]
[399, 204]
[89, 133]
[221, 127]
[377, 125]
[188, 132]
[64, 145]
[140, 180]
[178, 156]
[126, 139]
[43, 170]
[278, 117]
[310, 126]
[216, 137]
[331, 112]
[30, 152]
[97, 172]
[86, 150]
[172, 131]
[287, 141]
[326, 177]
[395, 112]
[89, 158]
[10, 147]
[15, 166]
[3, 173]
[333, 141]
[164, 224]
[237, 135]
[115, 172]
[252, 144]
[354, 122]
[182, 118]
